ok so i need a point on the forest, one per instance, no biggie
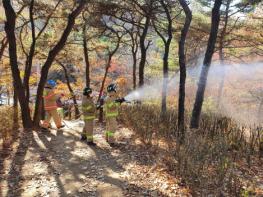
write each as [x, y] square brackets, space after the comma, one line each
[135, 98]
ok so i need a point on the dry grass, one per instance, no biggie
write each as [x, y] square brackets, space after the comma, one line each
[8, 125]
[206, 160]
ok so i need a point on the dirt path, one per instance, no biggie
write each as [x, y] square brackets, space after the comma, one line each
[57, 163]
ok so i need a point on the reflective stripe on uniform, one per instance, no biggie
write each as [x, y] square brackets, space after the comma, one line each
[110, 104]
[89, 137]
[115, 114]
[89, 117]
[51, 107]
[109, 133]
[49, 96]
[86, 107]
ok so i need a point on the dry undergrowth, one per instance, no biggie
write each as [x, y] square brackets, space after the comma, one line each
[208, 159]
[9, 122]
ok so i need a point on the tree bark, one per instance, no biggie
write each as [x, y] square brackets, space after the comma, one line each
[101, 91]
[4, 42]
[111, 54]
[182, 64]
[10, 32]
[51, 56]
[135, 46]
[77, 112]
[221, 54]
[86, 56]
[134, 69]
[143, 48]
[167, 44]
[29, 60]
[196, 113]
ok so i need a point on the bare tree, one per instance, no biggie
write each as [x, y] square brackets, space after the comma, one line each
[18, 85]
[133, 33]
[166, 38]
[221, 50]
[4, 41]
[196, 113]
[182, 64]
[146, 10]
[86, 54]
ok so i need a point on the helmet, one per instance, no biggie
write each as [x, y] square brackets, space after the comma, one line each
[51, 83]
[112, 88]
[87, 91]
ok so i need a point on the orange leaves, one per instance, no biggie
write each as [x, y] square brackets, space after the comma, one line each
[62, 88]
[121, 81]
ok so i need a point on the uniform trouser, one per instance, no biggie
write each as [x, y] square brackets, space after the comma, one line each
[111, 127]
[52, 114]
[88, 130]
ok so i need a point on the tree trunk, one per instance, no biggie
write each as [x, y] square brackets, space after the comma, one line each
[134, 68]
[167, 43]
[4, 42]
[86, 56]
[143, 51]
[77, 112]
[10, 32]
[182, 64]
[51, 56]
[222, 80]
[165, 75]
[29, 60]
[101, 102]
[108, 65]
[221, 54]
[196, 113]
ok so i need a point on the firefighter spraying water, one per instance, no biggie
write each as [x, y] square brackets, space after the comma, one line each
[111, 110]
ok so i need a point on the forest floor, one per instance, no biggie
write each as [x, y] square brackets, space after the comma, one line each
[57, 163]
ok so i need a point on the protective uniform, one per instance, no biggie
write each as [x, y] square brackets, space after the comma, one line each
[50, 106]
[89, 111]
[111, 109]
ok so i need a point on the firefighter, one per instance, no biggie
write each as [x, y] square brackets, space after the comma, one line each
[89, 112]
[50, 106]
[111, 109]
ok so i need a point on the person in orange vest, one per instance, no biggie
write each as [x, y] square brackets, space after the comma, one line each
[111, 109]
[50, 106]
[89, 114]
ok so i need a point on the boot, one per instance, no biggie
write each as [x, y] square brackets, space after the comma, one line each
[83, 137]
[114, 144]
[44, 129]
[62, 126]
[91, 143]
